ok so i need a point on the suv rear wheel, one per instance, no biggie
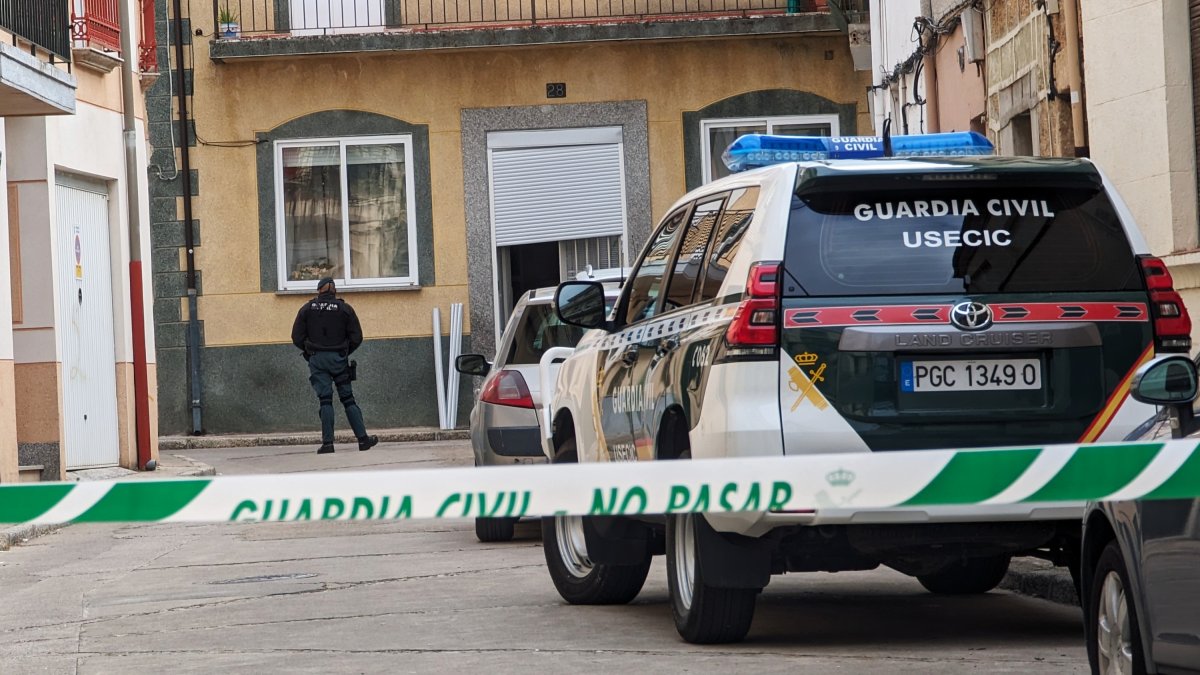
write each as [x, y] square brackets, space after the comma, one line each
[579, 580]
[703, 614]
[969, 576]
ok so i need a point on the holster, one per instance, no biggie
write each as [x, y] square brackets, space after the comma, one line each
[353, 371]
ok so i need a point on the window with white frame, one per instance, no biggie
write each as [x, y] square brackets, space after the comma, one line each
[717, 134]
[344, 209]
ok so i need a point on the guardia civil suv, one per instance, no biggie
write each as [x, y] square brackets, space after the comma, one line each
[855, 295]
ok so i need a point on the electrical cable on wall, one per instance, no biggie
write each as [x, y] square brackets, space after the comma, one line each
[195, 125]
[158, 170]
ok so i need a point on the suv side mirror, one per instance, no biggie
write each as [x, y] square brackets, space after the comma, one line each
[581, 303]
[1169, 381]
[472, 364]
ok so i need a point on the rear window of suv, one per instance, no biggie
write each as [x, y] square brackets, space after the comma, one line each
[945, 239]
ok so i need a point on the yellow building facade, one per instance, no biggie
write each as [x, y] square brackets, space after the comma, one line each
[458, 123]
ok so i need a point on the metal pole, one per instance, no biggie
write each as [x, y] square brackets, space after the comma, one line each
[185, 176]
[137, 307]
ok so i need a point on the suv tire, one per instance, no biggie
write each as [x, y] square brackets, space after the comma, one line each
[495, 529]
[703, 614]
[970, 576]
[579, 580]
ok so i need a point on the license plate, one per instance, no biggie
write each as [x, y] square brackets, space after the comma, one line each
[977, 375]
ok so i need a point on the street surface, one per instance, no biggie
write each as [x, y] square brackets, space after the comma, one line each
[425, 596]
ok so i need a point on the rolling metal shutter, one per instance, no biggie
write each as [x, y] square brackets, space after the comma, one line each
[557, 193]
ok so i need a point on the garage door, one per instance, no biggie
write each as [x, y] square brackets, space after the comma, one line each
[85, 324]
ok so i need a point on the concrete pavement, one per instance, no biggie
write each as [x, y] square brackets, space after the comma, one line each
[424, 596]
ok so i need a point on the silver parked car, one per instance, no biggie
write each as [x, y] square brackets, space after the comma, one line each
[1140, 577]
[505, 421]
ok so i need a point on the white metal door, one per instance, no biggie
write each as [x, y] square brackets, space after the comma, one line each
[85, 326]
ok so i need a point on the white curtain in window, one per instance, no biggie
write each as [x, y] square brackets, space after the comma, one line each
[377, 213]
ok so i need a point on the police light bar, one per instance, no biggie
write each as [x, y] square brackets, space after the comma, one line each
[757, 150]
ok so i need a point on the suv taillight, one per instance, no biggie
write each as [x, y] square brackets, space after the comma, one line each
[507, 388]
[1172, 325]
[755, 327]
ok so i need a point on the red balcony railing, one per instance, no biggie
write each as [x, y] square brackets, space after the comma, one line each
[95, 23]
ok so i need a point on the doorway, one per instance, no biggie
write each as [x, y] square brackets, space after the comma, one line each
[530, 266]
[85, 324]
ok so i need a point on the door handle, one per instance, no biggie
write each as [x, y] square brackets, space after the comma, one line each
[666, 346]
[630, 355]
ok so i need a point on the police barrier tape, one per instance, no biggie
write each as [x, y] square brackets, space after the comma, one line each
[882, 480]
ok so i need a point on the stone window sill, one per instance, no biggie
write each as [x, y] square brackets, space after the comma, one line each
[353, 289]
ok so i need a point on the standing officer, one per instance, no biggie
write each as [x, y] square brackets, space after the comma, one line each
[327, 332]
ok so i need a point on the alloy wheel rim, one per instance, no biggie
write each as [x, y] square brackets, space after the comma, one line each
[1114, 637]
[684, 552]
[572, 547]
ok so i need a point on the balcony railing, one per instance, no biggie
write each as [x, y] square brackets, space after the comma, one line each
[96, 23]
[45, 23]
[278, 18]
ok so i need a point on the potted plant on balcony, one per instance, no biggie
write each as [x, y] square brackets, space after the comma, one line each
[229, 25]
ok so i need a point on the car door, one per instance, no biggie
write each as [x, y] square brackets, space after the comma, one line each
[1170, 531]
[656, 372]
[640, 301]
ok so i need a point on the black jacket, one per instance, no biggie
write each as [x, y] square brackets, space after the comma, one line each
[327, 324]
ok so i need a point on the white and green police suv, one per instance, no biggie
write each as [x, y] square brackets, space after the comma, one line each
[832, 300]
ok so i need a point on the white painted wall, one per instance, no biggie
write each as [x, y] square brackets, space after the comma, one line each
[1139, 108]
[893, 41]
[6, 335]
[28, 166]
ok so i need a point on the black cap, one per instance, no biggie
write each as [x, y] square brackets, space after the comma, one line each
[327, 281]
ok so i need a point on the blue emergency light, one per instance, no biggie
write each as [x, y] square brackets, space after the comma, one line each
[757, 150]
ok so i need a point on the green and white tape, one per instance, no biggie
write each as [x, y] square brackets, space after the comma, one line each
[867, 481]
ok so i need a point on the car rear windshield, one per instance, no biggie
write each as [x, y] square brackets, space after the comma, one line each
[539, 329]
[946, 239]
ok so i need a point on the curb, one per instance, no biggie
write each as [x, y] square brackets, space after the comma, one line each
[1039, 579]
[196, 468]
[170, 443]
[19, 534]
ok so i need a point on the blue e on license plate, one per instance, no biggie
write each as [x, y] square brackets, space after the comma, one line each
[971, 375]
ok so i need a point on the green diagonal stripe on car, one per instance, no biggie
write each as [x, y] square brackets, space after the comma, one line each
[143, 501]
[1096, 471]
[972, 477]
[20, 503]
[1184, 483]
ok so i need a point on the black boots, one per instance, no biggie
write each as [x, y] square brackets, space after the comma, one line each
[364, 443]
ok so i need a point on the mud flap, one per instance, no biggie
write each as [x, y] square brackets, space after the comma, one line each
[732, 560]
[617, 541]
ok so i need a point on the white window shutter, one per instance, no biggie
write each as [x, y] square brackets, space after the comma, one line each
[557, 193]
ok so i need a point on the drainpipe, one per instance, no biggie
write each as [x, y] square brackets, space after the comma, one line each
[137, 308]
[933, 117]
[1074, 76]
[185, 175]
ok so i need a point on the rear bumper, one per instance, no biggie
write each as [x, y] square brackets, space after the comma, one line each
[515, 441]
[503, 435]
[761, 523]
